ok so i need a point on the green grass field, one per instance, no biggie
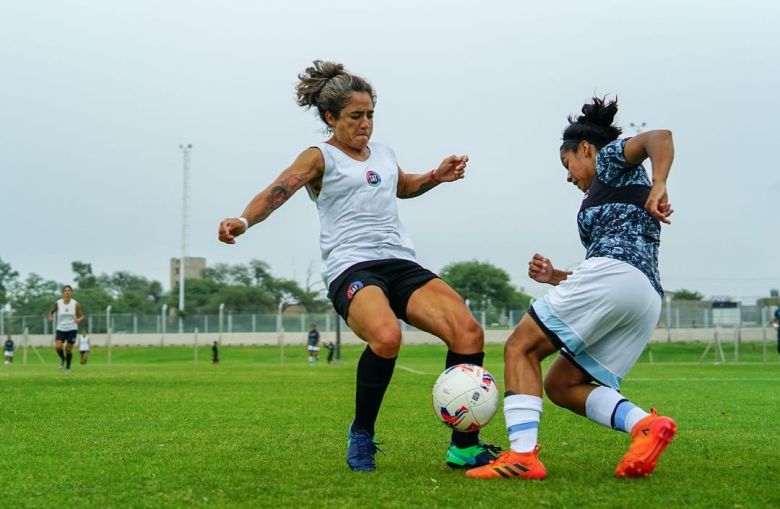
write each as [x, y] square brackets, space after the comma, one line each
[153, 429]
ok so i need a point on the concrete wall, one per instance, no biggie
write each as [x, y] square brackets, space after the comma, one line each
[347, 337]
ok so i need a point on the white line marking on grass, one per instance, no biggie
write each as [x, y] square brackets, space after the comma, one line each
[410, 370]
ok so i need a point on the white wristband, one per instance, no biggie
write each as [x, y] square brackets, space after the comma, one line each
[245, 221]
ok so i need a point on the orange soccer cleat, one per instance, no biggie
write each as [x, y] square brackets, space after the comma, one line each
[510, 464]
[649, 438]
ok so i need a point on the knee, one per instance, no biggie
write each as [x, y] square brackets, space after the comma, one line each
[513, 349]
[555, 390]
[517, 346]
[523, 343]
[386, 341]
[468, 336]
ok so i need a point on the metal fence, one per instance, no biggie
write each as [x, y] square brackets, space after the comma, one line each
[674, 315]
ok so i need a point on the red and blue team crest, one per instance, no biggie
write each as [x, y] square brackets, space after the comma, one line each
[453, 420]
[353, 288]
[373, 178]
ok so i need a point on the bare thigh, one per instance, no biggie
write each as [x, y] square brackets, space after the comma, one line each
[372, 320]
[438, 309]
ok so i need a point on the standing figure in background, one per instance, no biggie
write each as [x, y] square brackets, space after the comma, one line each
[313, 344]
[776, 324]
[215, 353]
[68, 314]
[8, 350]
[84, 346]
[331, 347]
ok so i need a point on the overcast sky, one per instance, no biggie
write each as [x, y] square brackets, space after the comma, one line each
[96, 96]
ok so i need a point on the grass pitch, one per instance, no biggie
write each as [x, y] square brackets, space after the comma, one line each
[154, 429]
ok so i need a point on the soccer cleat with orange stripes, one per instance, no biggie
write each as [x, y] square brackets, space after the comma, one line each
[649, 438]
[510, 464]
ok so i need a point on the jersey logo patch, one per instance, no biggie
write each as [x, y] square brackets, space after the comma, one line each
[373, 178]
[353, 288]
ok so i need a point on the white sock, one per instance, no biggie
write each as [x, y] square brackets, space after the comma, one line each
[608, 407]
[522, 413]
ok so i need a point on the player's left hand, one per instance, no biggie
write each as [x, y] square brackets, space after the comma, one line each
[657, 203]
[452, 168]
[540, 269]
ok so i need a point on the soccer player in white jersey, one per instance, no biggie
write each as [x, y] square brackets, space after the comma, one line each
[601, 315]
[368, 261]
[83, 346]
[68, 313]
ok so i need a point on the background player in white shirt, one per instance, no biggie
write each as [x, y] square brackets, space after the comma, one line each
[68, 313]
[84, 346]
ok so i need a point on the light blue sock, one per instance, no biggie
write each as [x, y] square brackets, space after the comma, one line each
[608, 407]
[627, 415]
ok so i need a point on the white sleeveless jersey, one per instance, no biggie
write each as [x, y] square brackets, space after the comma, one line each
[66, 315]
[83, 343]
[358, 210]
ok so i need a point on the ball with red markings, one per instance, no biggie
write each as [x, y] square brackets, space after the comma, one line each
[465, 397]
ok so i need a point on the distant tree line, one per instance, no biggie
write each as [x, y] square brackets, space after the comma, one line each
[243, 288]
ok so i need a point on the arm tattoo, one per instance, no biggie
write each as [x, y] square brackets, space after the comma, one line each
[280, 192]
[424, 188]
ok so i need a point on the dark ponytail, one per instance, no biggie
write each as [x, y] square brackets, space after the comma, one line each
[594, 125]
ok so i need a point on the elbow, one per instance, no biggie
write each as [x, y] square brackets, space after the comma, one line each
[660, 142]
[665, 135]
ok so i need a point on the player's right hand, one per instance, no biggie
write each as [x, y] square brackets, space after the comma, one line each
[540, 269]
[229, 229]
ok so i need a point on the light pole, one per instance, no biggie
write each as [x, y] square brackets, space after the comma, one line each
[184, 223]
[163, 324]
[638, 128]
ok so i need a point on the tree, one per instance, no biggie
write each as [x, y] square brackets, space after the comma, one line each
[245, 288]
[8, 277]
[84, 276]
[485, 286]
[132, 294]
[34, 295]
[684, 294]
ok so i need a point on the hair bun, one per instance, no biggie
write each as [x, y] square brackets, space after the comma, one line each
[328, 87]
[599, 112]
[594, 125]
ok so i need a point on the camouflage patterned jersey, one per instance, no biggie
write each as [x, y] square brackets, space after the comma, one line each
[612, 220]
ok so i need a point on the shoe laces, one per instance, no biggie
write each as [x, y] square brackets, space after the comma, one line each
[493, 449]
[367, 446]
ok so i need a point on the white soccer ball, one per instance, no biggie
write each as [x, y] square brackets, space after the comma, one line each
[465, 397]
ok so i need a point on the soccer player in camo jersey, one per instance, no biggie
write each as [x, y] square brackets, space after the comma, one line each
[368, 260]
[601, 315]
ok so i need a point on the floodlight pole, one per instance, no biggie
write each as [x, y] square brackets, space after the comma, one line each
[184, 220]
[163, 320]
[638, 128]
[221, 321]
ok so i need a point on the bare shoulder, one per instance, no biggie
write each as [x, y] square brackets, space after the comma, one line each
[312, 160]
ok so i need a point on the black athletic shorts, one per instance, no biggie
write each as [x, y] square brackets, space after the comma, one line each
[397, 278]
[67, 335]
